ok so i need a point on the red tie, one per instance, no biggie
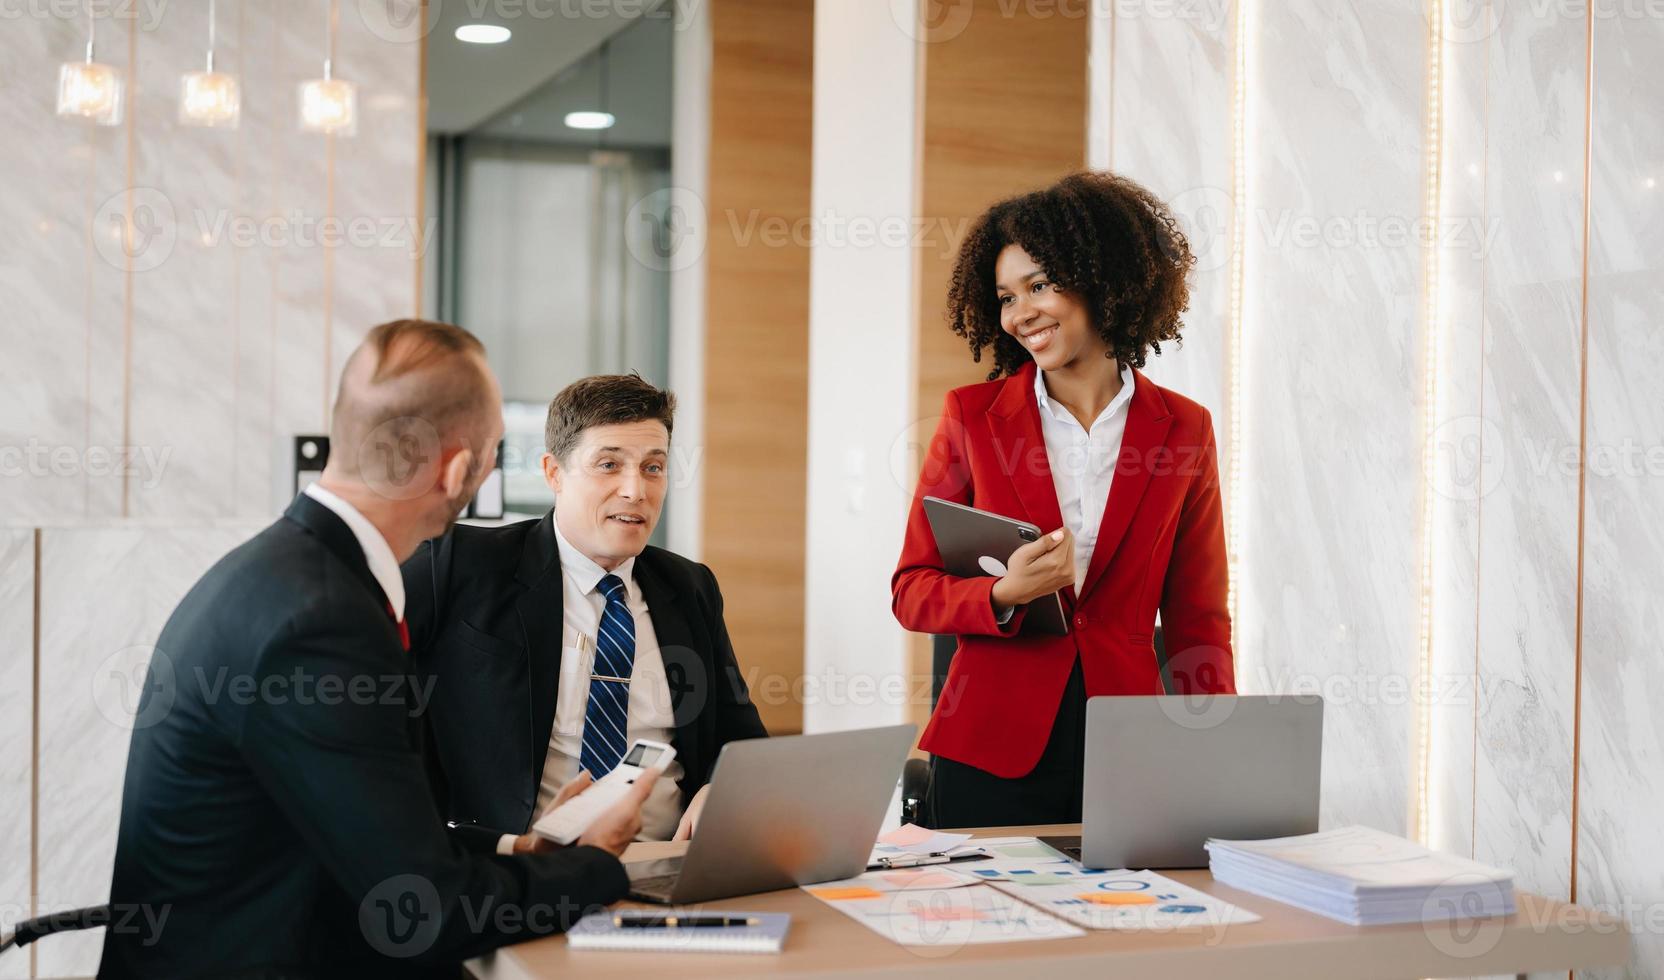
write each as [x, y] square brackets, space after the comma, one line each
[404, 631]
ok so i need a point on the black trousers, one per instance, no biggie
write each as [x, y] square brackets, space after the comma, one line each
[961, 795]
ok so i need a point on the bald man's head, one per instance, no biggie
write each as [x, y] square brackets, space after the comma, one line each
[413, 391]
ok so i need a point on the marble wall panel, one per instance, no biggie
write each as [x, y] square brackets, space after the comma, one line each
[17, 687]
[1621, 792]
[1527, 610]
[1332, 382]
[1169, 79]
[105, 594]
[183, 330]
[61, 278]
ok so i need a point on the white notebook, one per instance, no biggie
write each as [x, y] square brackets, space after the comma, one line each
[597, 931]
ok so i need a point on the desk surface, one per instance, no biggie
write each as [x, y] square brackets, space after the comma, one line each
[1287, 944]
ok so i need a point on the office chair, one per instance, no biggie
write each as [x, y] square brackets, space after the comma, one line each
[45, 925]
[915, 773]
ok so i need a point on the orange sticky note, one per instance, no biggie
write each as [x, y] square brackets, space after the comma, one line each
[840, 894]
[1117, 898]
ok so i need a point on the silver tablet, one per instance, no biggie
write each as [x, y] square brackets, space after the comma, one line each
[979, 542]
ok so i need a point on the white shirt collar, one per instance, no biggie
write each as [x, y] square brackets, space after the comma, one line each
[585, 573]
[377, 552]
[1062, 414]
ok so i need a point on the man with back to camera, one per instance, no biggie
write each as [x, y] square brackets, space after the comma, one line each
[554, 643]
[295, 832]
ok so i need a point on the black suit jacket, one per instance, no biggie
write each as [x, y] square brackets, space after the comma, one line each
[277, 808]
[485, 611]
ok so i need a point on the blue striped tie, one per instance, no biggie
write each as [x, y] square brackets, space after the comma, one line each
[606, 719]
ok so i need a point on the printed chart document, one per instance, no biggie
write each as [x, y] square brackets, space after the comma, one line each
[1141, 900]
[1363, 876]
[942, 918]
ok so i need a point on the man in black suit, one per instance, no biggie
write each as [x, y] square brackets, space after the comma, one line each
[553, 643]
[277, 817]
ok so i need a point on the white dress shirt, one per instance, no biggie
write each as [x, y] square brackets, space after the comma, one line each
[377, 552]
[649, 713]
[1083, 463]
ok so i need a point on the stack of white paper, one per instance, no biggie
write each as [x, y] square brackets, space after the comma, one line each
[1364, 877]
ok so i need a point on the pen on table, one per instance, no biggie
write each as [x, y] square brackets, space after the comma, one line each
[681, 921]
[920, 860]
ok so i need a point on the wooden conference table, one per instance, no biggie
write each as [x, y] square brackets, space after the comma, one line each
[1286, 944]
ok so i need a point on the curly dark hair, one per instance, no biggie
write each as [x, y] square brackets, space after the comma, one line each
[1099, 235]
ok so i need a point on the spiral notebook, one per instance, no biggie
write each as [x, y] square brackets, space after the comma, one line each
[597, 931]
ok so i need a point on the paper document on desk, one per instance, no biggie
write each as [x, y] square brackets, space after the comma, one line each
[1141, 900]
[913, 839]
[941, 918]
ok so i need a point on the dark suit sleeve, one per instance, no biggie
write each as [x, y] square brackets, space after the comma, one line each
[736, 716]
[343, 771]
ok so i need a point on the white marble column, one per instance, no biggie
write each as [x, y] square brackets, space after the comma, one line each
[861, 429]
[17, 687]
[1332, 371]
[1621, 796]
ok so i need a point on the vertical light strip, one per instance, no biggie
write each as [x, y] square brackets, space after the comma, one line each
[1582, 430]
[1234, 504]
[329, 250]
[1432, 351]
[421, 152]
[127, 272]
[34, 760]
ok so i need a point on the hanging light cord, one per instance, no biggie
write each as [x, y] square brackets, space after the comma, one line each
[330, 11]
[92, 31]
[211, 4]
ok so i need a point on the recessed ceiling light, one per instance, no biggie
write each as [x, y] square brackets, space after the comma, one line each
[483, 33]
[590, 120]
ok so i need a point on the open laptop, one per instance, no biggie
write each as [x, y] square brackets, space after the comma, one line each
[1163, 774]
[783, 812]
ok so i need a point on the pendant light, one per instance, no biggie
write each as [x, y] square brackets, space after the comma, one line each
[329, 104]
[209, 98]
[87, 89]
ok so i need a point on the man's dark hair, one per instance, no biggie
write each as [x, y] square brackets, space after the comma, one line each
[1099, 235]
[605, 399]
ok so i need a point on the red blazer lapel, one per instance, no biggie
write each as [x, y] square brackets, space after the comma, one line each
[1019, 449]
[1147, 423]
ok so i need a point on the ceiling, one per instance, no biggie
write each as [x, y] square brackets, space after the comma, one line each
[523, 88]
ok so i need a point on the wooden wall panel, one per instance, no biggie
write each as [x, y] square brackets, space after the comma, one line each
[757, 337]
[1004, 111]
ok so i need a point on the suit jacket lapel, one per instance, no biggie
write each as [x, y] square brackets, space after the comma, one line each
[1020, 449]
[1147, 423]
[542, 615]
[677, 649]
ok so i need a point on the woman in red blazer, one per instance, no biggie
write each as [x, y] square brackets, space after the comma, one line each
[1071, 287]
